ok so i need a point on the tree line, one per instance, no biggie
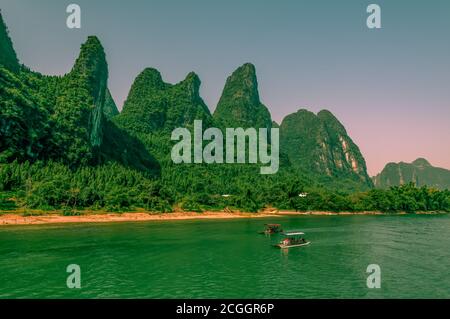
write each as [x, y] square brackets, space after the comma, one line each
[113, 187]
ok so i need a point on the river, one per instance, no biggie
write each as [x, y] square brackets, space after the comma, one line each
[228, 259]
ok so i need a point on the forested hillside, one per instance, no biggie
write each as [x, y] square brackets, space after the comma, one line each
[320, 144]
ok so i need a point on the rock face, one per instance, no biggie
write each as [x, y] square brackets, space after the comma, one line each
[420, 172]
[240, 105]
[320, 144]
[8, 57]
[91, 71]
[155, 106]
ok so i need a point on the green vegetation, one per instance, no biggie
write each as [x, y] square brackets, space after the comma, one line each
[240, 105]
[153, 106]
[24, 119]
[49, 185]
[63, 118]
[7, 202]
[110, 108]
[8, 56]
[112, 187]
[406, 198]
[64, 146]
[320, 144]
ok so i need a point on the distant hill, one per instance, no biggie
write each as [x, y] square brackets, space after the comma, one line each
[420, 172]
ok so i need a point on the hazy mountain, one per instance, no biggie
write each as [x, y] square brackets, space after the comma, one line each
[320, 144]
[419, 172]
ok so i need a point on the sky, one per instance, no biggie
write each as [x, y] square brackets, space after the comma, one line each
[390, 87]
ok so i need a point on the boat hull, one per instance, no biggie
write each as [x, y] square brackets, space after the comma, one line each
[281, 246]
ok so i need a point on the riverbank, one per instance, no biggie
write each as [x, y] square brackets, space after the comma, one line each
[16, 219]
[40, 218]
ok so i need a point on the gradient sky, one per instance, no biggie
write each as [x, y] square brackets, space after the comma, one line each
[389, 87]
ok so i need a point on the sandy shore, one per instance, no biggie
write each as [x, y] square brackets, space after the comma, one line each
[17, 219]
[14, 218]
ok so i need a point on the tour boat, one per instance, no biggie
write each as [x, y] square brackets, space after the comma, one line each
[271, 229]
[292, 239]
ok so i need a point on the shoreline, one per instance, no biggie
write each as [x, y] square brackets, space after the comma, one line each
[14, 218]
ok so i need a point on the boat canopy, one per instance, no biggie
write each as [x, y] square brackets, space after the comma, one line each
[293, 233]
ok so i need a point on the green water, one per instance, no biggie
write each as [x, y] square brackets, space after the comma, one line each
[227, 259]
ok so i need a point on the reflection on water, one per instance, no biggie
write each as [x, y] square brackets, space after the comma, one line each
[228, 259]
[284, 252]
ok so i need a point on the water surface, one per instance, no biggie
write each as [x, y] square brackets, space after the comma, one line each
[228, 259]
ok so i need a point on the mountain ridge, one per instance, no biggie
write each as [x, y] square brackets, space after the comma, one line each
[419, 172]
[77, 121]
[153, 105]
